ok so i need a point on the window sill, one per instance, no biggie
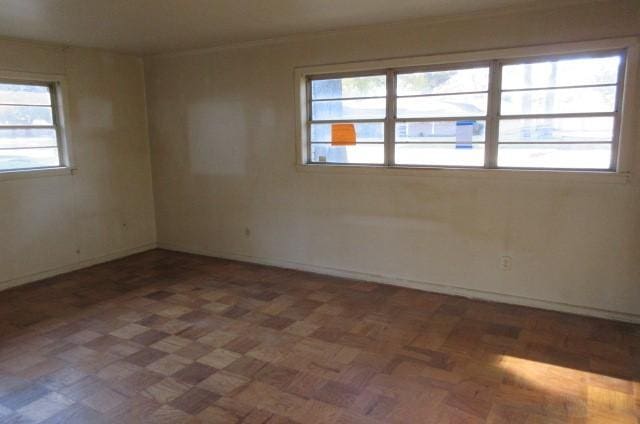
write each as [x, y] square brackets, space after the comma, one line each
[35, 173]
[602, 177]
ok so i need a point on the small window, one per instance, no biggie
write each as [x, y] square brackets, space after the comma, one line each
[29, 130]
[561, 112]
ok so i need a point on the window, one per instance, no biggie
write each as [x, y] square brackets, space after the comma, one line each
[29, 126]
[442, 117]
[358, 102]
[559, 113]
[545, 112]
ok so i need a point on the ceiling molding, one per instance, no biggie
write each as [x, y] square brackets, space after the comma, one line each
[430, 20]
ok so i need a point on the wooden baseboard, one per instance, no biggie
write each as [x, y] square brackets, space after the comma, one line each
[25, 279]
[419, 285]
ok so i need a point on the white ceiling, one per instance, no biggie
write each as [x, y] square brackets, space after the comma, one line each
[151, 26]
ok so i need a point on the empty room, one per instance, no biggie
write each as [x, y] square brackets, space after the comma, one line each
[329, 211]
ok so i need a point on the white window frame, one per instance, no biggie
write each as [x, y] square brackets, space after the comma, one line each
[58, 88]
[623, 128]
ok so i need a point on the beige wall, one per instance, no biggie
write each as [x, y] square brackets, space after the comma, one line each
[54, 223]
[222, 127]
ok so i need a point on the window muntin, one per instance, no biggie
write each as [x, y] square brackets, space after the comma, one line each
[29, 132]
[536, 113]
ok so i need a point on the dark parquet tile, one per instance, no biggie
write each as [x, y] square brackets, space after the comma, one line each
[167, 337]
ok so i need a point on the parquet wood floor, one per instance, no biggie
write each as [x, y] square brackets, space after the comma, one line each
[164, 337]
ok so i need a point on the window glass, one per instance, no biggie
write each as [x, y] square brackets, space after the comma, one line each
[439, 82]
[561, 73]
[344, 88]
[549, 155]
[443, 106]
[543, 130]
[327, 110]
[356, 154]
[369, 132]
[12, 159]
[28, 134]
[559, 101]
[436, 154]
[24, 94]
[440, 131]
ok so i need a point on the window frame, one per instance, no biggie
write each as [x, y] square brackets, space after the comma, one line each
[496, 59]
[57, 90]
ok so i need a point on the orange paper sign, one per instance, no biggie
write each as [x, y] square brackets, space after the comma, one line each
[343, 135]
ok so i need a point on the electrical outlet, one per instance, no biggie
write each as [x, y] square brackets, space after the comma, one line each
[505, 263]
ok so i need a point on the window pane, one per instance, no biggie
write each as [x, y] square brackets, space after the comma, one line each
[568, 72]
[29, 158]
[454, 81]
[349, 87]
[438, 131]
[439, 154]
[365, 132]
[25, 115]
[349, 109]
[360, 153]
[569, 100]
[546, 155]
[24, 94]
[557, 129]
[443, 106]
[10, 138]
